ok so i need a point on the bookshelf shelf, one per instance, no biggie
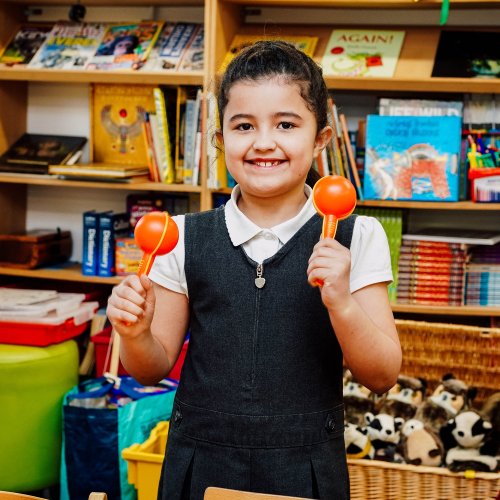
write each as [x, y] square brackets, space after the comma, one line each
[430, 205]
[71, 272]
[115, 76]
[447, 310]
[41, 180]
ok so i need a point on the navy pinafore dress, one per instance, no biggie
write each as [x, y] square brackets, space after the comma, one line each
[259, 405]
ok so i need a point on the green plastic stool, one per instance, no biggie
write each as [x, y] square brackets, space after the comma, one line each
[33, 381]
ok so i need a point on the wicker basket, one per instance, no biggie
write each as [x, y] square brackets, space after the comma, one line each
[471, 353]
[375, 480]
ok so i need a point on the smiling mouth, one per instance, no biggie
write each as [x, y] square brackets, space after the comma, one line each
[266, 163]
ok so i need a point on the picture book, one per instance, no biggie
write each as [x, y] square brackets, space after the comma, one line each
[193, 57]
[32, 153]
[21, 48]
[125, 46]
[171, 45]
[68, 46]
[419, 107]
[412, 158]
[305, 43]
[118, 112]
[362, 53]
[467, 54]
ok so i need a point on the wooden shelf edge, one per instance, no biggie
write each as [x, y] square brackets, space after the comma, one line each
[447, 310]
[72, 272]
[140, 186]
[90, 76]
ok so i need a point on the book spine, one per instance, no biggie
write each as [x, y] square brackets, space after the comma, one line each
[111, 226]
[163, 132]
[90, 243]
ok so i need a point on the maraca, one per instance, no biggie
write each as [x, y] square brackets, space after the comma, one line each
[334, 198]
[156, 233]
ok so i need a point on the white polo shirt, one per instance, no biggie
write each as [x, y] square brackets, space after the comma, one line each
[370, 255]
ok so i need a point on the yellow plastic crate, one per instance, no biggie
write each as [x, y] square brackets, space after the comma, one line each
[145, 461]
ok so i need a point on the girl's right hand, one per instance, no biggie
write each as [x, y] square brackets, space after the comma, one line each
[131, 306]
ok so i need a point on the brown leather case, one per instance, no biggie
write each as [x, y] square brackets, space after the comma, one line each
[35, 248]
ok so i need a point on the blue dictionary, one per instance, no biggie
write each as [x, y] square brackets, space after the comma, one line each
[412, 158]
[111, 226]
[90, 242]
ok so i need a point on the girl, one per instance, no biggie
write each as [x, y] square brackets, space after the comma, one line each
[259, 406]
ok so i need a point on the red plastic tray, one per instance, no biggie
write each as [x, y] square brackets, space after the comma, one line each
[101, 342]
[39, 335]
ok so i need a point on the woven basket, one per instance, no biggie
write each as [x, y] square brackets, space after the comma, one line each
[471, 353]
[376, 480]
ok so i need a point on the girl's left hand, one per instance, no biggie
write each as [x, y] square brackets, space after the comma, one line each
[330, 263]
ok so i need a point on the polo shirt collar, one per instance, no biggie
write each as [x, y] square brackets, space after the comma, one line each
[241, 229]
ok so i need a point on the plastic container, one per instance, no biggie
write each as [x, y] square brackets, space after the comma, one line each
[101, 341]
[145, 460]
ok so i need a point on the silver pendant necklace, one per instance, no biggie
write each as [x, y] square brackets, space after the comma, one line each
[259, 280]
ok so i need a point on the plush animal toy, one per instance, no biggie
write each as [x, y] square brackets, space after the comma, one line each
[420, 445]
[383, 431]
[449, 398]
[357, 400]
[404, 398]
[464, 438]
[357, 442]
[490, 411]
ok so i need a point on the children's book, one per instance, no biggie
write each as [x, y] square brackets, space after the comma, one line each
[126, 46]
[412, 158]
[467, 54]
[24, 44]
[32, 153]
[305, 43]
[419, 107]
[69, 46]
[171, 45]
[362, 53]
[192, 59]
[118, 112]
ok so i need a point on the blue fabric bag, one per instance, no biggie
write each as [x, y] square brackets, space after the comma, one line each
[101, 417]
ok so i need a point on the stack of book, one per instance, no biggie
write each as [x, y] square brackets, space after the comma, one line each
[482, 276]
[431, 272]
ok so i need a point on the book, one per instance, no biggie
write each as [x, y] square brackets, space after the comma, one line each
[419, 107]
[111, 226]
[166, 131]
[362, 53]
[412, 158]
[118, 112]
[193, 57]
[24, 44]
[68, 46]
[467, 54]
[172, 43]
[90, 242]
[125, 45]
[465, 236]
[100, 171]
[32, 153]
[306, 44]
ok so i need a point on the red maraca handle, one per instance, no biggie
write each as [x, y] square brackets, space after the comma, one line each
[330, 223]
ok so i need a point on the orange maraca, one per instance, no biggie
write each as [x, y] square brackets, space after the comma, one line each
[156, 233]
[334, 198]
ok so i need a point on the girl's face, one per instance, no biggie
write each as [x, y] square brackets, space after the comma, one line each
[270, 137]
